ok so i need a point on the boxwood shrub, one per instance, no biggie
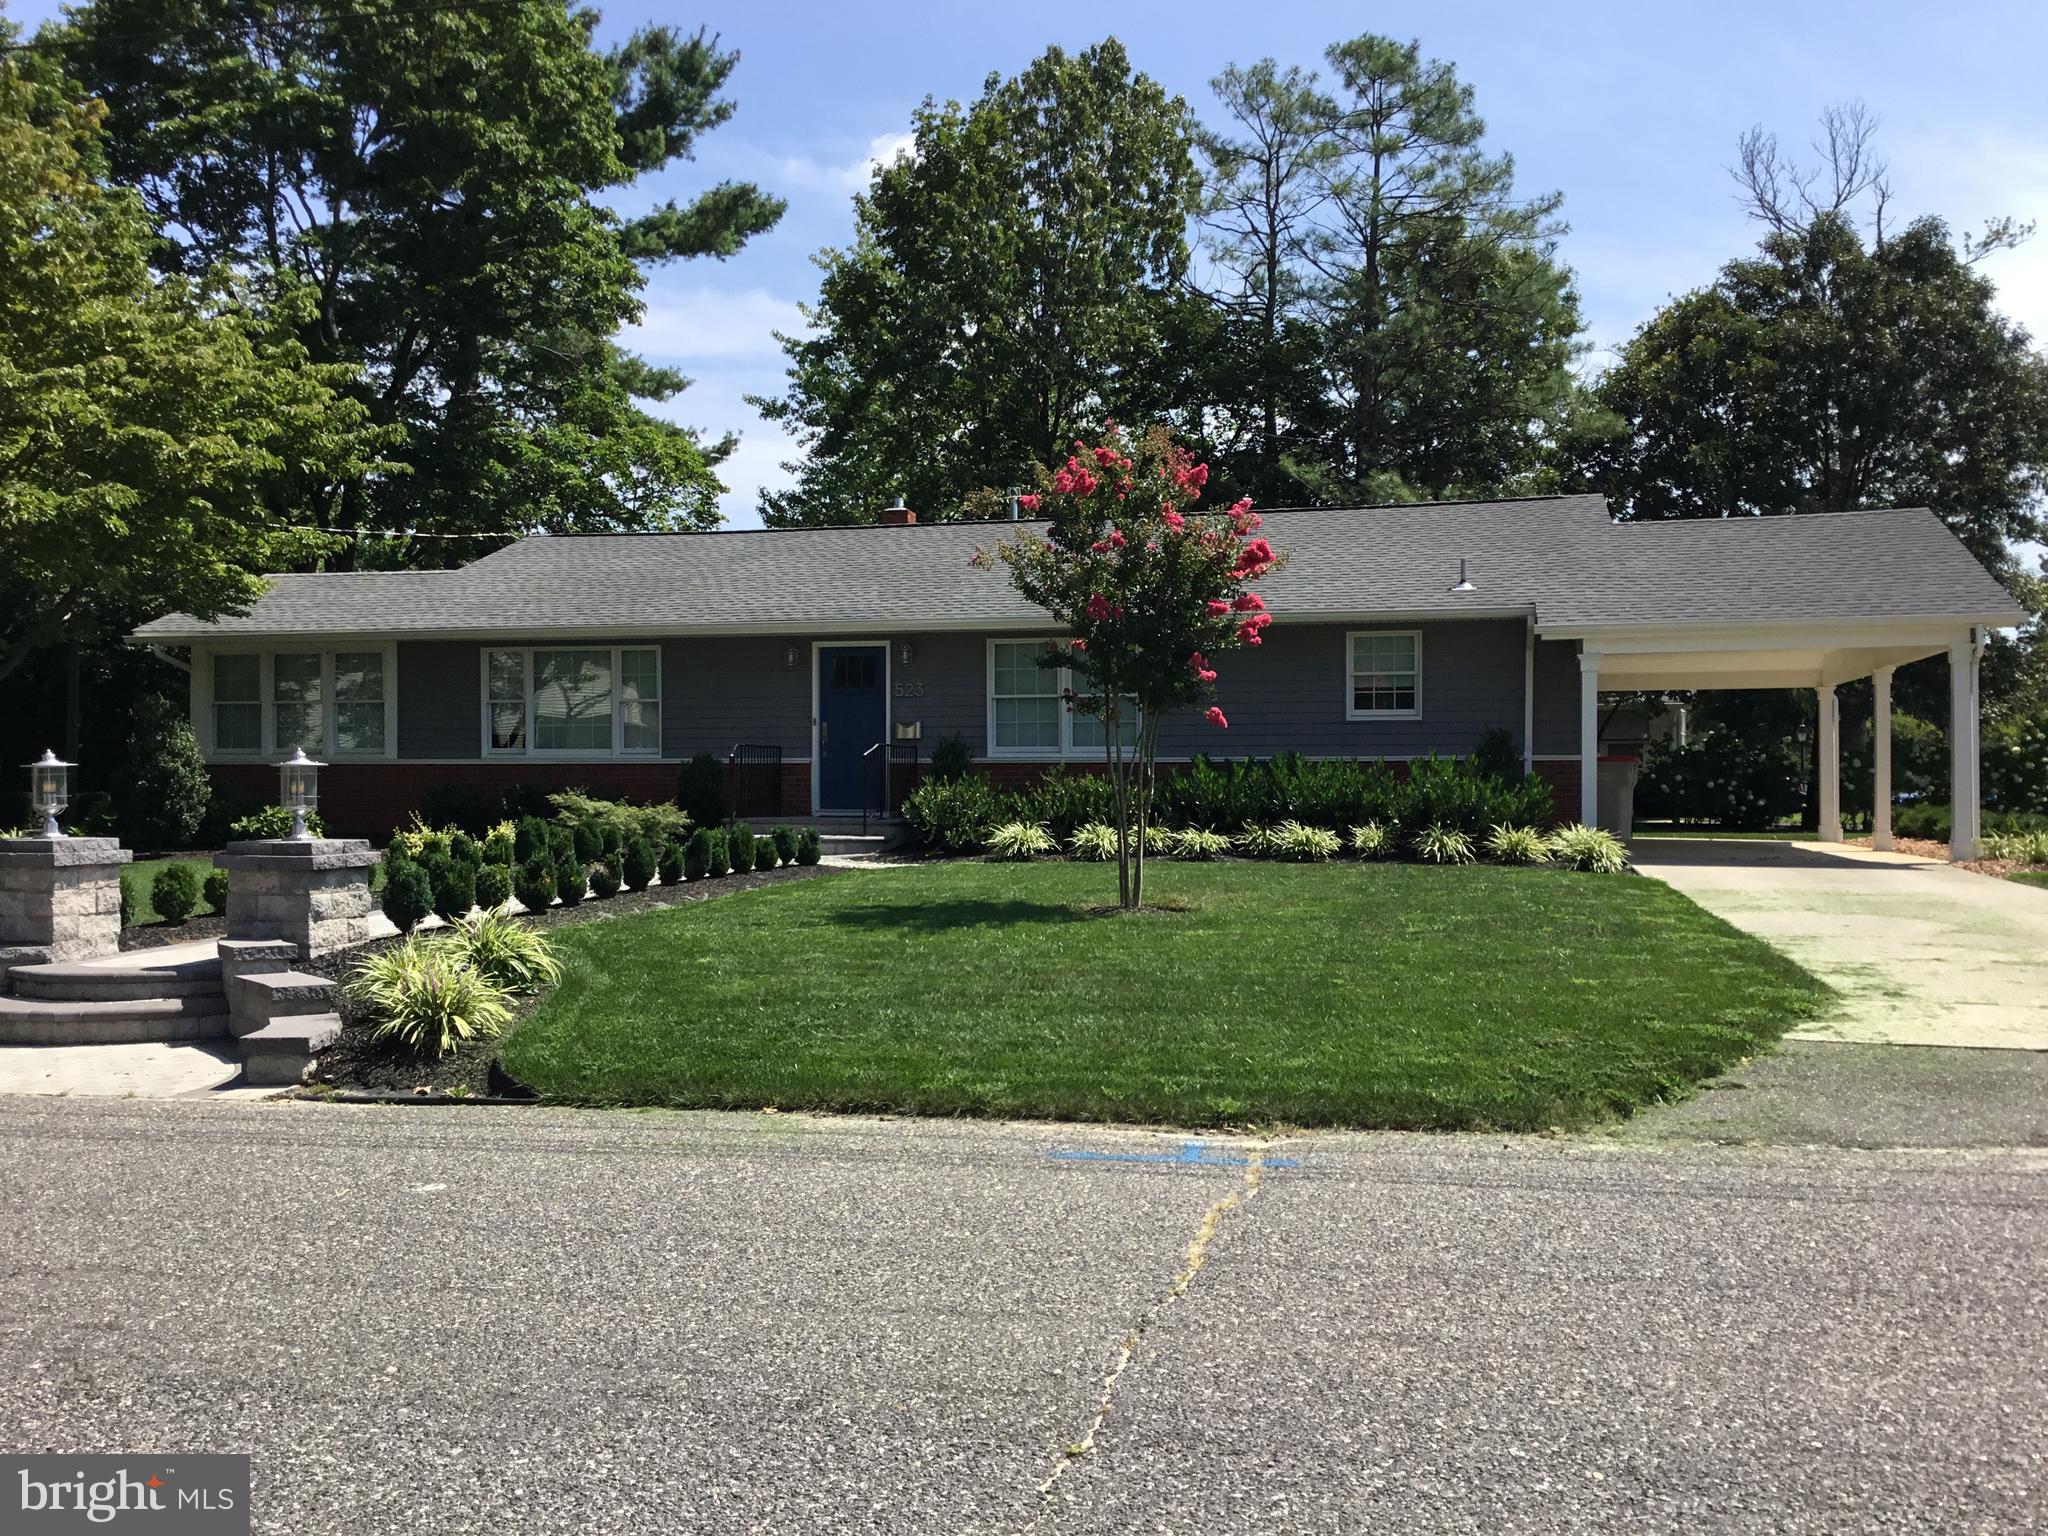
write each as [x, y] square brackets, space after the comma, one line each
[669, 866]
[785, 843]
[739, 848]
[572, 881]
[408, 893]
[534, 884]
[809, 848]
[175, 892]
[605, 878]
[493, 886]
[717, 853]
[637, 863]
[215, 888]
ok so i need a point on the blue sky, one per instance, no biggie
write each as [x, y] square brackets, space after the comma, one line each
[1631, 110]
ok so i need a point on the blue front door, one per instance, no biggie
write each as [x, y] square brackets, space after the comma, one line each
[853, 714]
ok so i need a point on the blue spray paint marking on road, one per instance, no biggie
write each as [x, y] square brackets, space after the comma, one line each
[1191, 1153]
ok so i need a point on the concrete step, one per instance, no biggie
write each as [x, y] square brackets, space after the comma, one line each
[272, 995]
[279, 1054]
[105, 983]
[49, 1021]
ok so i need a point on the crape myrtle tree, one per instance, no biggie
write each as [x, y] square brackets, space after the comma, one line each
[1149, 592]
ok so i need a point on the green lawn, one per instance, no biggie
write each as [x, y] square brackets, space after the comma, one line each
[2031, 877]
[1375, 995]
[137, 878]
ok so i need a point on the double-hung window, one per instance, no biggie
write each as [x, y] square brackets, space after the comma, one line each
[1027, 715]
[331, 703]
[573, 701]
[1386, 675]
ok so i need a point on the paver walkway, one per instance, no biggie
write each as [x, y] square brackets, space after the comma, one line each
[1923, 953]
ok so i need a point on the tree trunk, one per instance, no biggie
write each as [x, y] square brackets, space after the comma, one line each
[1113, 750]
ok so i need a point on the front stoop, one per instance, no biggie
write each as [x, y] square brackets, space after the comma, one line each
[67, 1004]
[281, 1052]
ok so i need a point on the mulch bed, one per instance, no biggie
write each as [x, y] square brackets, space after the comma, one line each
[156, 935]
[357, 1061]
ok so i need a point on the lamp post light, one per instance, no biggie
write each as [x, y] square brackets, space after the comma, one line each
[49, 785]
[298, 790]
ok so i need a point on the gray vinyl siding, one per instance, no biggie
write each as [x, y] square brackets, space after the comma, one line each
[1286, 695]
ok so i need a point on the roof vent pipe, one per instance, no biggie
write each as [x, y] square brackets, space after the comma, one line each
[1464, 581]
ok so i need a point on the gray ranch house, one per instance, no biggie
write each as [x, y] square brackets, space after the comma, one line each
[821, 664]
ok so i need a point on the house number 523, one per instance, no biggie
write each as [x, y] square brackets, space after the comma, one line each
[910, 690]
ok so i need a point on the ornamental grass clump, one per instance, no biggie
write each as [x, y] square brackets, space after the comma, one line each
[1020, 840]
[1593, 849]
[1516, 845]
[1256, 842]
[1439, 844]
[1094, 840]
[515, 956]
[1197, 843]
[2019, 847]
[1306, 844]
[1372, 840]
[425, 993]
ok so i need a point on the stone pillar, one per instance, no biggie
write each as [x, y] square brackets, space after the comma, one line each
[60, 898]
[1881, 758]
[314, 892]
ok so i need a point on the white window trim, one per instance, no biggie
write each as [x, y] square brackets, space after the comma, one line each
[574, 754]
[1351, 677]
[266, 700]
[1064, 679]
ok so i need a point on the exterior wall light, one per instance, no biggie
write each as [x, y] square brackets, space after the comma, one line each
[49, 789]
[789, 656]
[906, 651]
[298, 790]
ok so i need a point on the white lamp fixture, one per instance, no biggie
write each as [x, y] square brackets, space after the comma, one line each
[298, 790]
[49, 789]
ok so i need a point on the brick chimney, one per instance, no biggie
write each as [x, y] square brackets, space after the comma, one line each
[898, 516]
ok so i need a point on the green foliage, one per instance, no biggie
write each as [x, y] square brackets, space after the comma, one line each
[1020, 840]
[1593, 849]
[1256, 842]
[587, 841]
[606, 877]
[425, 993]
[1736, 782]
[1372, 840]
[127, 906]
[739, 847]
[273, 821]
[454, 884]
[638, 864]
[785, 843]
[408, 893]
[493, 886]
[561, 844]
[954, 816]
[513, 955]
[1439, 844]
[464, 849]
[1196, 843]
[2021, 847]
[175, 892]
[572, 880]
[214, 889]
[1496, 756]
[533, 884]
[500, 845]
[1064, 800]
[809, 848]
[529, 839]
[2015, 766]
[1093, 840]
[952, 758]
[1073, 179]
[670, 865]
[162, 787]
[718, 854]
[700, 790]
[452, 803]
[1934, 822]
[696, 856]
[453, 170]
[1305, 844]
[1517, 845]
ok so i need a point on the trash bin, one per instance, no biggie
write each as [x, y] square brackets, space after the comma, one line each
[1617, 794]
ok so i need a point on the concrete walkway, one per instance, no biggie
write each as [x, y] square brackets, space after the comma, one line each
[144, 1069]
[1923, 953]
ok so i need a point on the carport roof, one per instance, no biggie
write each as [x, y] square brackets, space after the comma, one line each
[1559, 559]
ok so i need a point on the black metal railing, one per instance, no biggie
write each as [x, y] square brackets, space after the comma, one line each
[756, 773]
[884, 786]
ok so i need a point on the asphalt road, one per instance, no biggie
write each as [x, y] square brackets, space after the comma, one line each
[494, 1320]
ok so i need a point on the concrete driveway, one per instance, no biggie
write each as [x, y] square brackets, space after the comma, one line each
[489, 1320]
[1923, 953]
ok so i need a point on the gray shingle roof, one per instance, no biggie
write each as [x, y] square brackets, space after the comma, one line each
[1560, 558]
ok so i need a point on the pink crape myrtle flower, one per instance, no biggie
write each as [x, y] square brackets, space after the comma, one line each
[1218, 606]
[1173, 520]
[1028, 503]
[1248, 602]
[1099, 608]
[1216, 718]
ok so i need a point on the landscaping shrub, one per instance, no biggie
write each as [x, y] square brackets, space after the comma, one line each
[1255, 841]
[523, 800]
[93, 814]
[613, 836]
[533, 885]
[1593, 849]
[514, 956]
[739, 848]
[1722, 779]
[1516, 845]
[954, 816]
[215, 889]
[1020, 840]
[572, 881]
[453, 804]
[493, 886]
[1496, 755]
[1062, 801]
[424, 993]
[718, 854]
[454, 883]
[1306, 844]
[671, 863]
[408, 893]
[605, 877]
[500, 845]
[1372, 840]
[809, 847]
[587, 841]
[952, 758]
[272, 821]
[700, 790]
[696, 855]
[175, 892]
[1196, 843]
[162, 788]
[561, 845]
[127, 906]
[529, 839]
[1093, 840]
[1439, 844]
[637, 864]
[2023, 847]
[2015, 766]
[464, 848]
[785, 843]
[1446, 793]
[1207, 794]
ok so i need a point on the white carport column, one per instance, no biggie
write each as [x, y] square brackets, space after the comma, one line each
[1962, 747]
[1881, 758]
[1589, 738]
[1830, 717]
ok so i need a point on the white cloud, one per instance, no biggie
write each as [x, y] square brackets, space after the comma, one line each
[845, 176]
[755, 466]
[688, 324]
